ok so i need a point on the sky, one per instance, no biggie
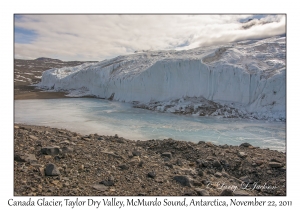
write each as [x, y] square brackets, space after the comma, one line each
[99, 37]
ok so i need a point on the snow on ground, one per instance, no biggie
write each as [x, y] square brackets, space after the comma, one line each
[243, 79]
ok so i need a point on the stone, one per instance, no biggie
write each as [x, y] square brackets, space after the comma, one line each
[167, 154]
[141, 163]
[240, 193]
[210, 158]
[242, 154]
[218, 174]
[50, 150]
[201, 142]
[107, 182]
[246, 179]
[100, 187]
[275, 165]
[259, 162]
[209, 144]
[67, 149]
[179, 162]
[33, 137]
[216, 164]
[123, 167]
[200, 173]
[25, 157]
[136, 153]
[51, 170]
[152, 174]
[183, 180]
[245, 145]
[201, 192]
[226, 192]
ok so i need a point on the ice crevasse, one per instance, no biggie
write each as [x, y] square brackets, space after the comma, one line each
[248, 75]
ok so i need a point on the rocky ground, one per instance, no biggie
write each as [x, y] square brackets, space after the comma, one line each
[29, 72]
[50, 161]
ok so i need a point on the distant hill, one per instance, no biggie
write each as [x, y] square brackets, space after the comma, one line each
[47, 59]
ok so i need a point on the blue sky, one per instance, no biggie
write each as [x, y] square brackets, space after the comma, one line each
[98, 37]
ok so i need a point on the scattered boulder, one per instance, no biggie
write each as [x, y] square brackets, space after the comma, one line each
[275, 165]
[242, 154]
[25, 157]
[51, 170]
[183, 180]
[152, 174]
[136, 153]
[100, 187]
[218, 174]
[123, 167]
[201, 192]
[167, 154]
[245, 145]
[216, 164]
[226, 192]
[50, 150]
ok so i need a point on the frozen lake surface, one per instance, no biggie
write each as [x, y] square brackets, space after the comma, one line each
[90, 115]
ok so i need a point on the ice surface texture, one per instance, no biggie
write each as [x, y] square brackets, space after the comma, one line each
[248, 75]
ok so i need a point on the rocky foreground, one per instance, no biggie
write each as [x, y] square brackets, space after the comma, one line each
[50, 161]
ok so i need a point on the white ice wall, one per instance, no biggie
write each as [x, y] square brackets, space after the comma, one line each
[142, 79]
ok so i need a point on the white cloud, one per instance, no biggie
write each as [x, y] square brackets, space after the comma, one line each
[97, 37]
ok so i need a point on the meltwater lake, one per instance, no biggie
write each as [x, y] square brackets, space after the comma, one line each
[91, 115]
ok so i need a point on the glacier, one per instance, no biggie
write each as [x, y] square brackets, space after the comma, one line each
[242, 79]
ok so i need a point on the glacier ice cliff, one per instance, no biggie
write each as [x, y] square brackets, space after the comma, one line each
[246, 78]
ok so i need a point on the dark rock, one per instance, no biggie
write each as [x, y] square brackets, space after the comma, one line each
[136, 153]
[50, 150]
[210, 171]
[51, 170]
[201, 142]
[116, 136]
[107, 182]
[200, 173]
[183, 180]
[205, 164]
[169, 165]
[152, 174]
[167, 154]
[275, 160]
[141, 163]
[179, 162]
[201, 192]
[216, 164]
[24, 157]
[275, 165]
[123, 167]
[189, 193]
[245, 145]
[57, 158]
[226, 192]
[246, 179]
